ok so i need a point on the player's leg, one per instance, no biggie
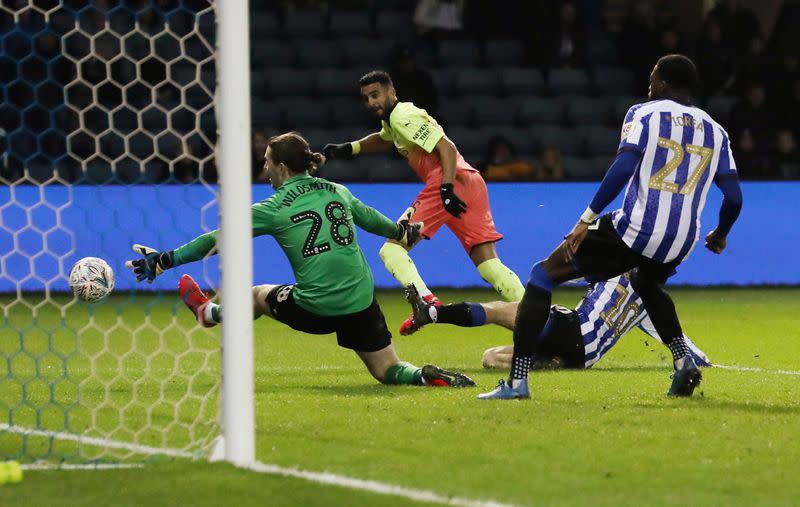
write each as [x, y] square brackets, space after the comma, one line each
[427, 209]
[465, 314]
[498, 357]
[648, 281]
[494, 272]
[476, 231]
[365, 332]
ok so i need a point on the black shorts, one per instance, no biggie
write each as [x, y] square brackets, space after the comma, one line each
[363, 331]
[561, 343]
[603, 255]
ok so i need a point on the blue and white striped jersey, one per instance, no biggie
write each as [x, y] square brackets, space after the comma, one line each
[682, 149]
[609, 310]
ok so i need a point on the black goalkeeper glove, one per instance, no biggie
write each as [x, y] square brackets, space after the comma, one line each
[342, 151]
[408, 233]
[452, 204]
[152, 263]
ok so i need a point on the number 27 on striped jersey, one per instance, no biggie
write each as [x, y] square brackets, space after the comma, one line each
[657, 181]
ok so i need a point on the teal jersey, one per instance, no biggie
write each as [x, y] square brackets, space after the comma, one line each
[313, 220]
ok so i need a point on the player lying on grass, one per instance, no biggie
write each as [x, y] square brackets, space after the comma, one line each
[669, 154]
[313, 221]
[571, 338]
[448, 179]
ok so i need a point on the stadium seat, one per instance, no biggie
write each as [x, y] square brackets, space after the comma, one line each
[263, 24]
[570, 141]
[395, 25]
[522, 140]
[457, 112]
[349, 112]
[365, 52]
[471, 81]
[300, 114]
[349, 24]
[601, 51]
[290, 82]
[264, 113]
[318, 138]
[720, 107]
[613, 80]
[458, 53]
[467, 140]
[521, 81]
[302, 24]
[568, 82]
[579, 168]
[343, 170]
[536, 110]
[503, 53]
[583, 111]
[272, 54]
[389, 169]
[332, 82]
[494, 111]
[602, 140]
[315, 53]
[443, 79]
[622, 104]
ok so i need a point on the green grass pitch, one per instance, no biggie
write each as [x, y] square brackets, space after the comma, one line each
[607, 436]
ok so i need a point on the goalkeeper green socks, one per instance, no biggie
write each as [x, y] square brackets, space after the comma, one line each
[504, 281]
[400, 265]
[404, 373]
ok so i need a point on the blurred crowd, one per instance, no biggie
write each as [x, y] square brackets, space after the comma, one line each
[160, 100]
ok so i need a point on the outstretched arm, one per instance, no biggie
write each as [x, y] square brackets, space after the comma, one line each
[716, 241]
[372, 143]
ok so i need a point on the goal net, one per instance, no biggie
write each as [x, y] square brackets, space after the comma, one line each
[108, 140]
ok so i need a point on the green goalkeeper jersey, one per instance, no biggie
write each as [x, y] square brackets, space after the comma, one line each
[313, 221]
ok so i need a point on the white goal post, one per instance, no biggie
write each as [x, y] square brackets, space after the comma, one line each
[235, 237]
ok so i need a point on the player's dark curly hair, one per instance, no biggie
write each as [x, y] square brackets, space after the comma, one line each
[376, 76]
[678, 71]
[293, 150]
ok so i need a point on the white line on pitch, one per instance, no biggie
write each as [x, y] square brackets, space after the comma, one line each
[101, 442]
[86, 466]
[380, 488]
[760, 370]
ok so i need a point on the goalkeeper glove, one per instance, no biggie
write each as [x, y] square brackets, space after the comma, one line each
[452, 203]
[152, 263]
[334, 151]
[408, 233]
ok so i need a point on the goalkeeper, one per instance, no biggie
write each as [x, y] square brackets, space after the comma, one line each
[313, 221]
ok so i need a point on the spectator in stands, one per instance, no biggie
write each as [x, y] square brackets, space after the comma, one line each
[669, 43]
[714, 59]
[259, 147]
[413, 83]
[753, 65]
[787, 156]
[568, 41]
[550, 166]
[637, 42]
[752, 163]
[501, 162]
[439, 19]
[787, 73]
[753, 113]
[739, 23]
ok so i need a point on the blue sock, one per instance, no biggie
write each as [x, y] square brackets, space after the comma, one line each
[462, 314]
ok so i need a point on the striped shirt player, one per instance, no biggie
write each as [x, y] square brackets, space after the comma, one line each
[575, 339]
[682, 150]
[611, 309]
[669, 153]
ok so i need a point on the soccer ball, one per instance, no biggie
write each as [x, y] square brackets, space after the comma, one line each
[91, 279]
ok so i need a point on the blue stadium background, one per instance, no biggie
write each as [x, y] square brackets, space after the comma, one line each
[107, 119]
